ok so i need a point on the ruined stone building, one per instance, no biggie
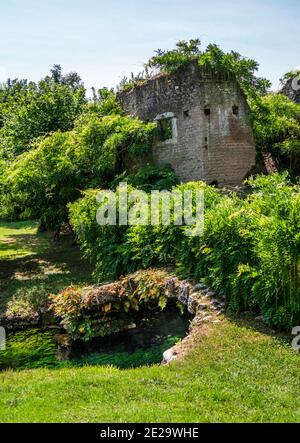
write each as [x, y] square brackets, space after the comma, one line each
[203, 121]
[291, 89]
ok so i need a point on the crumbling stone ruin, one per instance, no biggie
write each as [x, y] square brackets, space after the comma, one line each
[203, 124]
[292, 89]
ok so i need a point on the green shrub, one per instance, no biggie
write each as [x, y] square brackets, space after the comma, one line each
[117, 250]
[249, 250]
[40, 183]
[161, 245]
[150, 178]
[276, 124]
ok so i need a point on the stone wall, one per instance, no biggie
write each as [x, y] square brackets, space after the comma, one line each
[210, 142]
[291, 90]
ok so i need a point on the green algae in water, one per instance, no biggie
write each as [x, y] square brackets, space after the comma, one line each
[36, 348]
[31, 348]
[142, 346]
[126, 360]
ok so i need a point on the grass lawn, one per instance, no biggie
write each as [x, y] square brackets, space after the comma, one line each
[32, 266]
[234, 372]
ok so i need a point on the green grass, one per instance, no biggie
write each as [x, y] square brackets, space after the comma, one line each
[34, 348]
[32, 266]
[19, 239]
[234, 373]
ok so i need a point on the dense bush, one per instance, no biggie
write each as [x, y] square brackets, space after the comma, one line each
[117, 250]
[29, 110]
[150, 178]
[249, 250]
[276, 125]
[40, 183]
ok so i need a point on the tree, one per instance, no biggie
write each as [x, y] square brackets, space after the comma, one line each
[40, 183]
[170, 61]
[29, 110]
[241, 68]
[276, 124]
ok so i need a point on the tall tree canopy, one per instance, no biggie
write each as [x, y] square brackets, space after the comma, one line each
[29, 110]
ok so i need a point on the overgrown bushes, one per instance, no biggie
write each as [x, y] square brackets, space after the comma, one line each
[105, 310]
[117, 250]
[40, 183]
[249, 250]
[276, 125]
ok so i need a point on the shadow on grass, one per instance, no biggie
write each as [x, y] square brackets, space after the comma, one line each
[248, 320]
[22, 244]
[32, 266]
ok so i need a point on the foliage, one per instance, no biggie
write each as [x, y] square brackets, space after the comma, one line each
[40, 183]
[100, 243]
[163, 61]
[276, 126]
[29, 110]
[249, 250]
[115, 250]
[111, 308]
[171, 61]
[150, 178]
[104, 103]
[241, 68]
[231, 65]
[126, 84]
[291, 74]
[162, 245]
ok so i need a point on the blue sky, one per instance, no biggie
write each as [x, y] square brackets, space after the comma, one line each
[104, 40]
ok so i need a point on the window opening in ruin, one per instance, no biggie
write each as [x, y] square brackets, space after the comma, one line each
[235, 110]
[207, 111]
[165, 129]
[186, 113]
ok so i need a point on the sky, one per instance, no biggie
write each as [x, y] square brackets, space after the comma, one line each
[105, 40]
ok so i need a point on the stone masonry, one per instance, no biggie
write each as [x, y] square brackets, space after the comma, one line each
[205, 117]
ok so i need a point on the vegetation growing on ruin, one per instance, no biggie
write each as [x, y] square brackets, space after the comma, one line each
[275, 118]
[232, 65]
[113, 307]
